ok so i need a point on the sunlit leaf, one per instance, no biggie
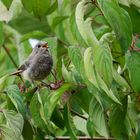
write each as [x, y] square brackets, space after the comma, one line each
[84, 27]
[88, 66]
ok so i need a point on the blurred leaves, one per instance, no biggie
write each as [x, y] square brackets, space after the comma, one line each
[7, 3]
[1, 34]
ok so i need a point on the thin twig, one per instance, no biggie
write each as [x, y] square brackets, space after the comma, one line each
[77, 114]
[12, 60]
[94, 3]
[10, 56]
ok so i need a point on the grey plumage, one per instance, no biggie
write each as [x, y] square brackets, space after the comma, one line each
[39, 63]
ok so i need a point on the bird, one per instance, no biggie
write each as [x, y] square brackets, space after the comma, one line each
[38, 65]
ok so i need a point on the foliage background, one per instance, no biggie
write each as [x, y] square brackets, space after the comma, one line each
[95, 47]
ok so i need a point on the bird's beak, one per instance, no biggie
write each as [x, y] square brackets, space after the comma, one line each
[45, 45]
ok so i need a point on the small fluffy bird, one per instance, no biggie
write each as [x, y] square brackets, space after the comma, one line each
[38, 65]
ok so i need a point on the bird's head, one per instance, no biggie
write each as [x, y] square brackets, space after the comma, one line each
[41, 47]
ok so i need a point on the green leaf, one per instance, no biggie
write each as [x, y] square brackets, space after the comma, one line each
[53, 99]
[27, 131]
[57, 118]
[85, 27]
[97, 118]
[134, 14]
[7, 3]
[69, 123]
[133, 65]
[108, 92]
[66, 74]
[14, 123]
[57, 20]
[15, 96]
[53, 7]
[6, 133]
[75, 32]
[40, 7]
[35, 112]
[3, 78]
[75, 56]
[1, 34]
[120, 80]
[33, 34]
[88, 66]
[27, 5]
[129, 3]
[119, 20]
[103, 63]
[117, 119]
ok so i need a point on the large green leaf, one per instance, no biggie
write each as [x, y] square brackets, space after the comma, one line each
[27, 5]
[53, 99]
[103, 63]
[40, 7]
[15, 96]
[133, 65]
[134, 15]
[69, 123]
[75, 56]
[117, 119]
[57, 20]
[7, 3]
[120, 80]
[119, 20]
[53, 7]
[88, 66]
[14, 124]
[84, 26]
[34, 34]
[35, 112]
[97, 118]
[75, 32]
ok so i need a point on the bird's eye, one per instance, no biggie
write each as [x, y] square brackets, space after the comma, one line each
[39, 46]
